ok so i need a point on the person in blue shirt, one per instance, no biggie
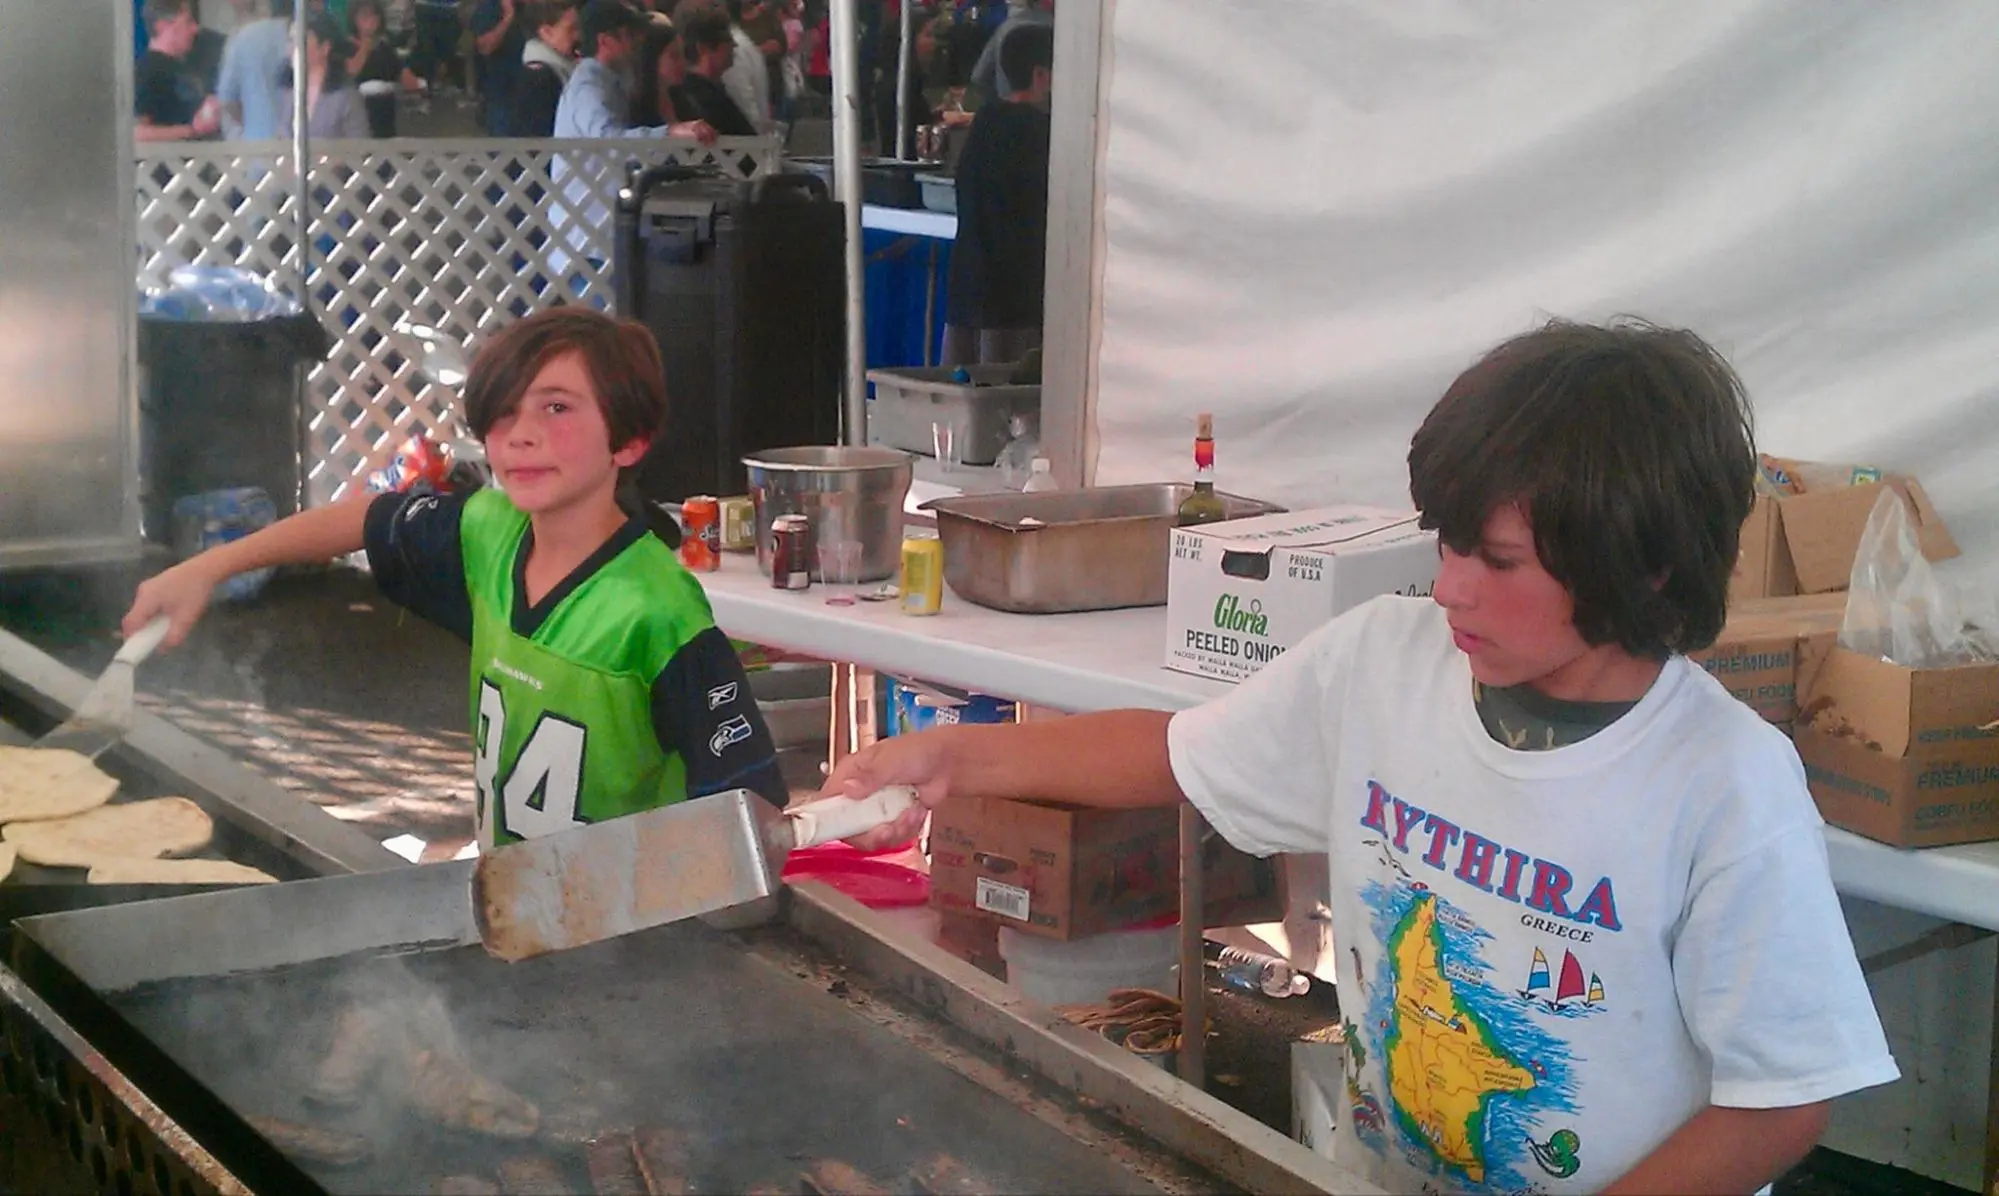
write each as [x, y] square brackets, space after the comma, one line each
[250, 85]
[596, 103]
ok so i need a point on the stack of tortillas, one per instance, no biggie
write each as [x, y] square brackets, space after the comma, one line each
[53, 805]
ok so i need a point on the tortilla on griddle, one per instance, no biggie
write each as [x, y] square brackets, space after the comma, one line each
[135, 830]
[173, 872]
[445, 1088]
[39, 783]
[313, 1143]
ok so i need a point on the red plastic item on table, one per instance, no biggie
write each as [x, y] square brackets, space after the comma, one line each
[868, 879]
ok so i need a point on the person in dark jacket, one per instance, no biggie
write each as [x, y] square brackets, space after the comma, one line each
[999, 263]
[547, 61]
[710, 46]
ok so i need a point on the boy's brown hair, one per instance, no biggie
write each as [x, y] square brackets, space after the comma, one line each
[1629, 449]
[620, 356]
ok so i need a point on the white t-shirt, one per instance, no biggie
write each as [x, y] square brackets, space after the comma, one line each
[1548, 961]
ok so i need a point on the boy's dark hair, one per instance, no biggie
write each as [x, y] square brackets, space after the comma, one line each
[1024, 49]
[702, 28]
[1628, 448]
[154, 12]
[605, 17]
[620, 355]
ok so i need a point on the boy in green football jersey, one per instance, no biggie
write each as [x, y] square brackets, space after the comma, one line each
[600, 684]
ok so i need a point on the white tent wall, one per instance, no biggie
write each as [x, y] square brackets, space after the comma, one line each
[1317, 214]
[1314, 215]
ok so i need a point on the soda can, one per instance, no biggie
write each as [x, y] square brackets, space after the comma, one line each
[701, 534]
[739, 525]
[922, 575]
[791, 553]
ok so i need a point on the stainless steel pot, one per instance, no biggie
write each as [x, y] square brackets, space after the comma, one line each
[848, 493]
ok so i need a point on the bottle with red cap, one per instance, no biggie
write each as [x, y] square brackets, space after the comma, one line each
[1203, 505]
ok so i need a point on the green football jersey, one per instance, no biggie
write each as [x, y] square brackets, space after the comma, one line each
[562, 718]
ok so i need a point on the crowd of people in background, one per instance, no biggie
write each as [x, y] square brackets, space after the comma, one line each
[697, 69]
[220, 68]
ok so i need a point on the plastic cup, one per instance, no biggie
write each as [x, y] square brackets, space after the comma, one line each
[944, 439]
[840, 570]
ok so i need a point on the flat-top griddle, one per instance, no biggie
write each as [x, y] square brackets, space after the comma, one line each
[751, 1047]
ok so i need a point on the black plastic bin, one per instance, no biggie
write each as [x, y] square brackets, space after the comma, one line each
[743, 286]
[221, 405]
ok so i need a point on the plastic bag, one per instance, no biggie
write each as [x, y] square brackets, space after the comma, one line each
[219, 295]
[1899, 609]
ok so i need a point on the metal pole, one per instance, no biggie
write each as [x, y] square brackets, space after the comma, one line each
[847, 189]
[1193, 957]
[301, 142]
[902, 129]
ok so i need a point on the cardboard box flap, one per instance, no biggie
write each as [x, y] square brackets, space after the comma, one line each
[1329, 533]
[1822, 530]
[1768, 618]
[1892, 709]
[1763, 563]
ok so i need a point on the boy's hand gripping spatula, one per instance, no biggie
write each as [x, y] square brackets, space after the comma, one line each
[611, 878]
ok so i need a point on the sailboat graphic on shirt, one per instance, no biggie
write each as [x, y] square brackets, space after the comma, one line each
[1570, 995]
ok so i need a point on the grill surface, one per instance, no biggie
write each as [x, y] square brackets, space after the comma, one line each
[679, 1027]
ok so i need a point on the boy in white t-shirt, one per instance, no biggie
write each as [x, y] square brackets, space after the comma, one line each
[1586, 933]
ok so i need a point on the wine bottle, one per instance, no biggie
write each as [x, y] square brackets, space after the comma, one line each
[1203, 505]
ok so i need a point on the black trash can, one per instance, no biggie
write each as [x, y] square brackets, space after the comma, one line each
[221, 405]
[743, 286]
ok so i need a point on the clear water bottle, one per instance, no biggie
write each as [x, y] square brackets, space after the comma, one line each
[1255, 972]
[1039, 478]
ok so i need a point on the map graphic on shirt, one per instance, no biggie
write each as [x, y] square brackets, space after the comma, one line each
[1471, 1076]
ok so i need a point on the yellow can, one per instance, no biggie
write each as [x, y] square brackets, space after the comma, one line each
[922, 574]
[739, 525]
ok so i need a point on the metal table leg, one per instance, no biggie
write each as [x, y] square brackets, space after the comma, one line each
[1193, 960]
[1991, 1173]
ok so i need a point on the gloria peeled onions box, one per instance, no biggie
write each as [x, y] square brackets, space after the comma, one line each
[1242, 592]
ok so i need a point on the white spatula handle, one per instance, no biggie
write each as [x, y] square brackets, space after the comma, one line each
[832, 818]
[142, 644]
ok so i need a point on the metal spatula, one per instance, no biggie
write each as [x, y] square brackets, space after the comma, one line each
[697, 857]
[105, 715]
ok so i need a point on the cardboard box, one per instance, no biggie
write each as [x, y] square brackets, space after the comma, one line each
[1766, 643]
[974, 939]
[1241, 593]
[1907, 756]
[1763, 566]
[1931, 798]
[1066, 872]
[1805, 543]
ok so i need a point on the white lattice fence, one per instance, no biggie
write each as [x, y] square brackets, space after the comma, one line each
[457, 235]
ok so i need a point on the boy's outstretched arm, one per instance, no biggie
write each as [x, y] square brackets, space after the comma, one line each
[1723, 1150]
[1114, 758]
[182, 592]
